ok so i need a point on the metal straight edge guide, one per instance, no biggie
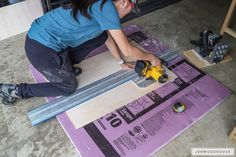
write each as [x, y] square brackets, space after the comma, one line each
[169, 55]
[57, 106]
[62, 104]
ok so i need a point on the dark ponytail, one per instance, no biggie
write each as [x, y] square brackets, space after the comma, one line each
[81, 6]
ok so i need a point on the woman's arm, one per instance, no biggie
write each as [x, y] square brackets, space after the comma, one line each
[112, 47]
[128, 50]
[115, 51]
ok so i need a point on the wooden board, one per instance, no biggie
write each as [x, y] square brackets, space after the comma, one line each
[232, 135]
[94, 69]
[198, 61]
[17, 18]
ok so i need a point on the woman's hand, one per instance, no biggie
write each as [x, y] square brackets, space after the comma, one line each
[155, 61]
[127, 66]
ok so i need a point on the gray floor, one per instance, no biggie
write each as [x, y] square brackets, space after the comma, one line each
[175, 25]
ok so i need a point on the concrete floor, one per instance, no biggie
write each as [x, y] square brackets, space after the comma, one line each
[175, 25]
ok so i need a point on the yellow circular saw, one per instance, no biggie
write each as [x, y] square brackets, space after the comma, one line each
[145, 69]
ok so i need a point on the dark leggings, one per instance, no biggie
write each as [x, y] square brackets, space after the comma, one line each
[56, 67]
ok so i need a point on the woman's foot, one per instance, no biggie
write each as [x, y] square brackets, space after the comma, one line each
[77, 71]
[8, 94]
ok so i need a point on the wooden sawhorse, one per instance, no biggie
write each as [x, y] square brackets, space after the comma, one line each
[225, 28]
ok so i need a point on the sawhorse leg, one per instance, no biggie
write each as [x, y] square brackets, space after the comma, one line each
[225, 28]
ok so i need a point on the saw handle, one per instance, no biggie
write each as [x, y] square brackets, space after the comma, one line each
[141, 67]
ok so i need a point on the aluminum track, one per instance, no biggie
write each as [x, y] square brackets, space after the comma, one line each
[83, 94]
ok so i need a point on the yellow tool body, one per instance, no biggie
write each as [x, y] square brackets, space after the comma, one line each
[154, 72]
[145, 69]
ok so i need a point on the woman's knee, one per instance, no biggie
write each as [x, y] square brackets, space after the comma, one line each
[68, 87]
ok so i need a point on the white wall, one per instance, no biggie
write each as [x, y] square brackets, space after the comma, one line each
[17, 18]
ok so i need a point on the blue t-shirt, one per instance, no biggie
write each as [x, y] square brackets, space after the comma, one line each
[58, 30]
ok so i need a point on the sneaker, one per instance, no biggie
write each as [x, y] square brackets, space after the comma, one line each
[8, 94]
[77, 71]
